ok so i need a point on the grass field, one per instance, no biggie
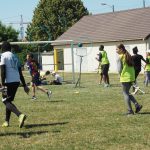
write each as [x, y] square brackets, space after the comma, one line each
[85, 118]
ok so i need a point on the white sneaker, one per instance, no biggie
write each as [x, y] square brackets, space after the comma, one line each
[33, 98]
[136, 90]
[49, 93]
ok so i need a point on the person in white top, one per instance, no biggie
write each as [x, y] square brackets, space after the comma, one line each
[11, 75]
[57, 79]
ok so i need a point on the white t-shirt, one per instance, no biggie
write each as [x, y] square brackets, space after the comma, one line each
[58, 78]
[11, 63]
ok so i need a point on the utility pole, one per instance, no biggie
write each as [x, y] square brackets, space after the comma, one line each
[144, 3]
[21, 23]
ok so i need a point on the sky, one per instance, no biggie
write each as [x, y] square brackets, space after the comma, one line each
[11, 10]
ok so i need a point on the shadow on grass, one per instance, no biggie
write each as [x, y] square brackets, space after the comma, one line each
[144, 113]
[50, 101]
[44, 125]
[140, 113]
[24, 134]
[115, 85]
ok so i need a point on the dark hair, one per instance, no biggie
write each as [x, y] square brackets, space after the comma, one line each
[135, 50]
[30, 55]
[128, 57]
[101, 47]
[47, 73]
[5, 46]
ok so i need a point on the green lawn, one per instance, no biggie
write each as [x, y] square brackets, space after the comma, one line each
[90, 119]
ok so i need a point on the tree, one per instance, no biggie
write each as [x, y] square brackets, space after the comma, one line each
[8, 33]
[53, 17]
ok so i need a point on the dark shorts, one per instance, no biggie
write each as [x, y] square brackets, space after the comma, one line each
[36, 80]
[11, 91]
[55, 83]
[105, 69]
[137, 73]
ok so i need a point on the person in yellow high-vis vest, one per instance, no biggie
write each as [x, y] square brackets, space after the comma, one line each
[127, 77]
[147, 69]
[104, 65]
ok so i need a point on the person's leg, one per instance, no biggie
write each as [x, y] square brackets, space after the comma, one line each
[11, 108]
[101, 78]
[7, 118]
[8, 114]
[128, 98]
[48, 92]
[146, 78]
[107, 76]
[135, 82]
[126, 88]
[11, 91]
[33, 90]
[42, 89]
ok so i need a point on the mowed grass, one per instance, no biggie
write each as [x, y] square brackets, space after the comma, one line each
[85, 118]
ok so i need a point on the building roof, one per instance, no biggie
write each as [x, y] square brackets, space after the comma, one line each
[118, 26]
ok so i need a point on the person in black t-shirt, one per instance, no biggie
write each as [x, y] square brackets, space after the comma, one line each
[137, 65]
[137, 61]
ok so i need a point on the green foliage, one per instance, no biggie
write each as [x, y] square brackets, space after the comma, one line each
[8, 33]
[53, 17]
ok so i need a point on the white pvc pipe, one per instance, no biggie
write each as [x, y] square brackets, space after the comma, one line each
[39, 42]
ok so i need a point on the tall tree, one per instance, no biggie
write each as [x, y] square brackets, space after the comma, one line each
[8, 33]
[53, 17]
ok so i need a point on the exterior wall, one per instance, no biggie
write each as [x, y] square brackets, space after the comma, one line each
[148, 43]
[67, 60]
[90, 64]
[47, 62]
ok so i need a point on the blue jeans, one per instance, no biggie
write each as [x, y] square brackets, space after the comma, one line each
[127, 96]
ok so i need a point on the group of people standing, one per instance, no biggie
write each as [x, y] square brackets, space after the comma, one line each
[129, 68]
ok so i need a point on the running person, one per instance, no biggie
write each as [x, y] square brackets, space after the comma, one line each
[34, 72]
[11, 75]
[127, 77]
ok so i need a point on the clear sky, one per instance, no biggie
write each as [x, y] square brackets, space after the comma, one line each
[10, 10]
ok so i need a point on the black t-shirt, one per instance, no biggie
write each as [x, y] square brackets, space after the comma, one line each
[137, 61]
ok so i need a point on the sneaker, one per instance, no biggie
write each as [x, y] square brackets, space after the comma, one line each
[33, 98]
[138, 108]
[136, 90]
[105, 85]
[49, 93]
[22, 118]
[5, 124]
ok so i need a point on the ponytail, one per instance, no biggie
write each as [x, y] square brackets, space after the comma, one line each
[128, 58]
